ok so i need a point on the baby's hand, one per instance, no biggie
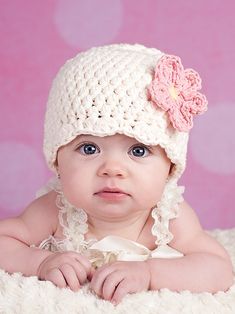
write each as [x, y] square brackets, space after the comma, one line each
[65, 269]
[113, 281]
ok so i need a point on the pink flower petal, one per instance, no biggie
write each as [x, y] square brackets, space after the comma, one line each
[169, 70]
[181, 119]
[192, 80]
[199, 104]
[160, 96]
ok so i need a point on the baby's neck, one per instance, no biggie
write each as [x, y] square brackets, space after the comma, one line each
[130, 228]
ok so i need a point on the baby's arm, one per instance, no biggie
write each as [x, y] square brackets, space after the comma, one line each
[37, 222]
[205, 265]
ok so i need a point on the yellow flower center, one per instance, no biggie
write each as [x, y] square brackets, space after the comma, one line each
[173, 92]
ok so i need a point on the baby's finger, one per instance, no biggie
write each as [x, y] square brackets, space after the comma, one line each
[84, 261]
[121, 290]
[55, 276]
[110, 284]
[99, 277]
[70, 276]
[79, 270]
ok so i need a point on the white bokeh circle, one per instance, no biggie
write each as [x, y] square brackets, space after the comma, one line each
[22, 171]
[86, 23]
[212, 139]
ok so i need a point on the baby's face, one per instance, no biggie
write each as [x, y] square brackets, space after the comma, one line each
[112, 177]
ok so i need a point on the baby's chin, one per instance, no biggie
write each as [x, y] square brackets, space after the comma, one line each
[115, 213]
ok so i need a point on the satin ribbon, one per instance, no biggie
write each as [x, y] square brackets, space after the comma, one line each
[113, 248]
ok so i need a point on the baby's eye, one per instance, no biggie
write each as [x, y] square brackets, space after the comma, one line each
[139, 151]
[88, 149]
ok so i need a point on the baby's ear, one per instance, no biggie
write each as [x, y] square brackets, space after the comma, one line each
[57, 168]
[171, 168]
[56, 165]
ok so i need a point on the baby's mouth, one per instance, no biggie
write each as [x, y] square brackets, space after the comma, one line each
[111, 193]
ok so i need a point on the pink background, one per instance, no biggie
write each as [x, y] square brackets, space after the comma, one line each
[36, 37]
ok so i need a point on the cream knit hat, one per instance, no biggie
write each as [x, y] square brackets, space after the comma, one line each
[132, 90]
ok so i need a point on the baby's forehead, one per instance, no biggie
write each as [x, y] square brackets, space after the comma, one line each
[121, 138]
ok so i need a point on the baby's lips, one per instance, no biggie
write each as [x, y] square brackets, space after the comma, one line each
[111, 190]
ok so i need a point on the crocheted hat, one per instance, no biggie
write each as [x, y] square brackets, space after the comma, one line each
[127, 89]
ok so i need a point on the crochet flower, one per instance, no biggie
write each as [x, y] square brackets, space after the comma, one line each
[175, 90]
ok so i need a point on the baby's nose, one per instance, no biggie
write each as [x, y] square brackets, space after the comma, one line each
[113, 169]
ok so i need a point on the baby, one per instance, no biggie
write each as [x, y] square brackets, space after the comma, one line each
[116, 131]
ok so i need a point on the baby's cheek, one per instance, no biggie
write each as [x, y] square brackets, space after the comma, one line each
[70, 190]
[154, 194]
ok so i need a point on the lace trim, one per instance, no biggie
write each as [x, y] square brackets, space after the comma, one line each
[72, 220]
[53, 244]
[52, 185]
[166, 209]
[74, 223]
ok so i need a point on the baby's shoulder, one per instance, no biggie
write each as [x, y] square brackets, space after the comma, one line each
[42, 212]
[38, 221]
[186, 226]
[44, 203]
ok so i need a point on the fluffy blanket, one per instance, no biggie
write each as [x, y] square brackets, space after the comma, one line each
[19, 294]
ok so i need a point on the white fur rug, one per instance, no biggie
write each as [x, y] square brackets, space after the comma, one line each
[19, 294]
